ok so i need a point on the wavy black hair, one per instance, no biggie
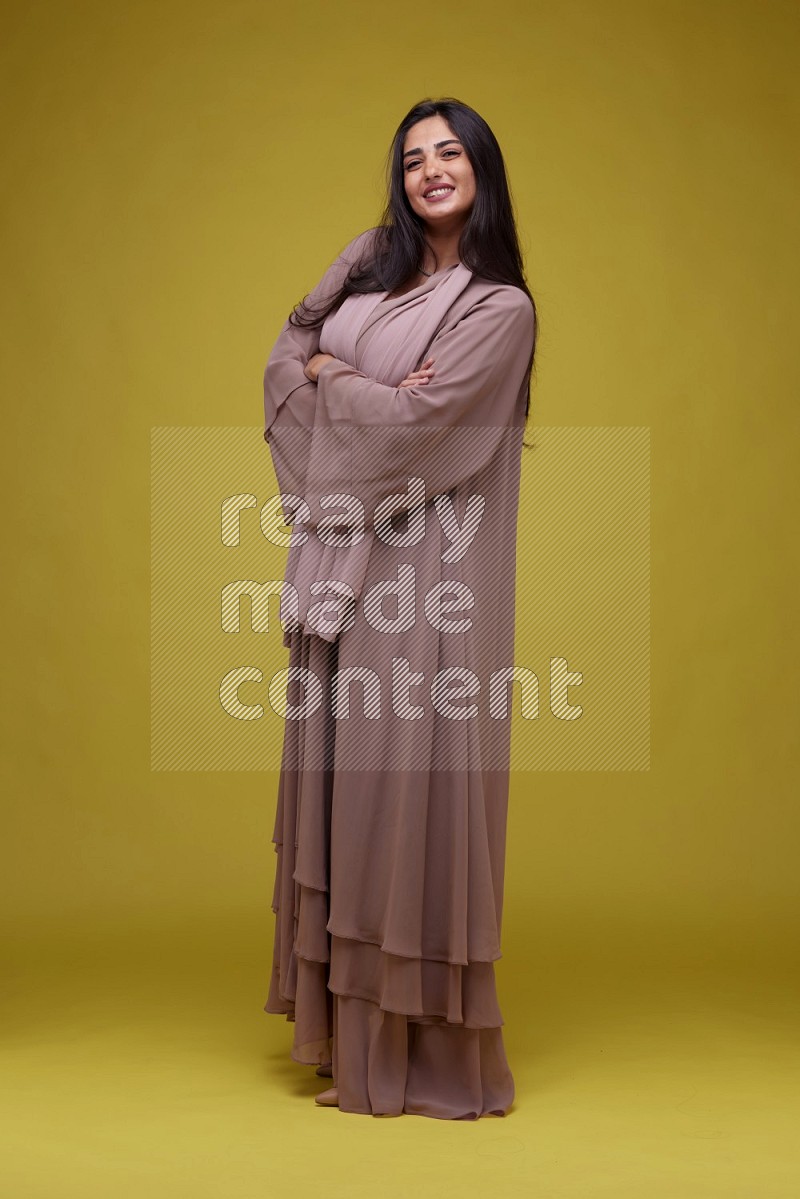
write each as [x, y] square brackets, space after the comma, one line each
[488, 245]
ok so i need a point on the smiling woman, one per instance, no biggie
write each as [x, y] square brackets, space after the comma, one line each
[410, 360]
[440, 187]
[458, 179]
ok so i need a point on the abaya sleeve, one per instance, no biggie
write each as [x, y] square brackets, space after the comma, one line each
[289, 396]
[370, 439]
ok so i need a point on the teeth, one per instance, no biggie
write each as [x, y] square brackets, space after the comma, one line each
[438, 191]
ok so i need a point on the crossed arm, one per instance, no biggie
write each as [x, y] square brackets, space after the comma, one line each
[317, 361]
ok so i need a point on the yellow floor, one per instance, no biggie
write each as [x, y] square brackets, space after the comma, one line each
[142, 1065]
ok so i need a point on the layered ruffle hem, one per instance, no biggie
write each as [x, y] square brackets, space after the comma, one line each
[409, 1034]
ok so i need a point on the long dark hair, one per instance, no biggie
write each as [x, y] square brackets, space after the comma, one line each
[488, 245]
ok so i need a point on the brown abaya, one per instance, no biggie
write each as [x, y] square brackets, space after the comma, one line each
[391, 820]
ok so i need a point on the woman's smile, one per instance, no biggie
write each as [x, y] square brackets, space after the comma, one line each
[437, 194]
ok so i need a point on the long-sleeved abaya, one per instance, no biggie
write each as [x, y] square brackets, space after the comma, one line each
[391, 819]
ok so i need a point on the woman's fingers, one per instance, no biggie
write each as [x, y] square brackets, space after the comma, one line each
[419, 376]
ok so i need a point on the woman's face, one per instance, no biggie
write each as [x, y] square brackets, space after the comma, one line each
[433, 159]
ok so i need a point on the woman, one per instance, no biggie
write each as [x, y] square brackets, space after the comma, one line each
[395, 406]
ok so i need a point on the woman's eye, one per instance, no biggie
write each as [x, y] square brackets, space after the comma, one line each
[415, 161]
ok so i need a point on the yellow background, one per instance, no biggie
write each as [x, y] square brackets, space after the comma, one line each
[175, 177]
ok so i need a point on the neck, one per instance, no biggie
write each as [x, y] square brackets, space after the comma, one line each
[441, 250]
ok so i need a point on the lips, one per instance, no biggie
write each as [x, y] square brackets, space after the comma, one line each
[438, 187]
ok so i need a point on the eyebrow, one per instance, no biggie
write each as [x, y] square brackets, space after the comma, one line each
[436, 146]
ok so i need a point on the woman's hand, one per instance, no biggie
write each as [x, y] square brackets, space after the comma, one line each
[312, 367]
[420, 376]
[316, 361]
